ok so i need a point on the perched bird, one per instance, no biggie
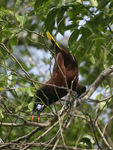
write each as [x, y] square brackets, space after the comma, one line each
[65, 66]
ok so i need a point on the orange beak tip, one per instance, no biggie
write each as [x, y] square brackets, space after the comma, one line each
[38, 119]
[32, 118]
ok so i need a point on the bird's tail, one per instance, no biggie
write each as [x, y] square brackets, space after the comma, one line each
[54, 43]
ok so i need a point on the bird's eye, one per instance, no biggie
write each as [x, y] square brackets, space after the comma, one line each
[39, 106]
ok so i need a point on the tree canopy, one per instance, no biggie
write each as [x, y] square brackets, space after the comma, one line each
[26, 60]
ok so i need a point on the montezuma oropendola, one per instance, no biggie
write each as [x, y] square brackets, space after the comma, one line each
[65, 65]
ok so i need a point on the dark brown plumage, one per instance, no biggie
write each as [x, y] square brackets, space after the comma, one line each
[65, 65]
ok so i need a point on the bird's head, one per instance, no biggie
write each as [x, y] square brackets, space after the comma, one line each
[39, 108]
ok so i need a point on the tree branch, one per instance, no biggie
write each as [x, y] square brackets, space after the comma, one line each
[85, 96]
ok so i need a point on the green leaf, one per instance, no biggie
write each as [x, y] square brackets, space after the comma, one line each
[102, 104]
[17, 2]
[108, 38]
[98, 97]
[58, 2]
[102, 4]
[96, 20]
[94, 3]
[107, 87]
[39, 3]
[20, 89]
[3, 81]
[50, 20]
[21, 19]
[30, 91]
[92, 59]
[3, 53]
[0, 110]
[11, 80]
[70, 27]
[111, 5]
[105, 21]
[1, 114]
[20, 107]
[79, 1]
[1, 37]
[1, 89]
[4, 12]
[90, 46]
[77, 9]
[85, 34]
[73, 37]
[30, 106]
[14, 41]
[90, 138]
[105, 66]
[60, 22]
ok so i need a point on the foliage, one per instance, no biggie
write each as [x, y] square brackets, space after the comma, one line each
[23, 26]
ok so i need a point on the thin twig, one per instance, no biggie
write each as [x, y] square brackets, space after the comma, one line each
[107, 50]
[96, 124]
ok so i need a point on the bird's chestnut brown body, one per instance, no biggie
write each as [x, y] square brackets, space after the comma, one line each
[65, 70]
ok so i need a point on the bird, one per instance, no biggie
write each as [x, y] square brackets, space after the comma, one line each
[65, 71]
